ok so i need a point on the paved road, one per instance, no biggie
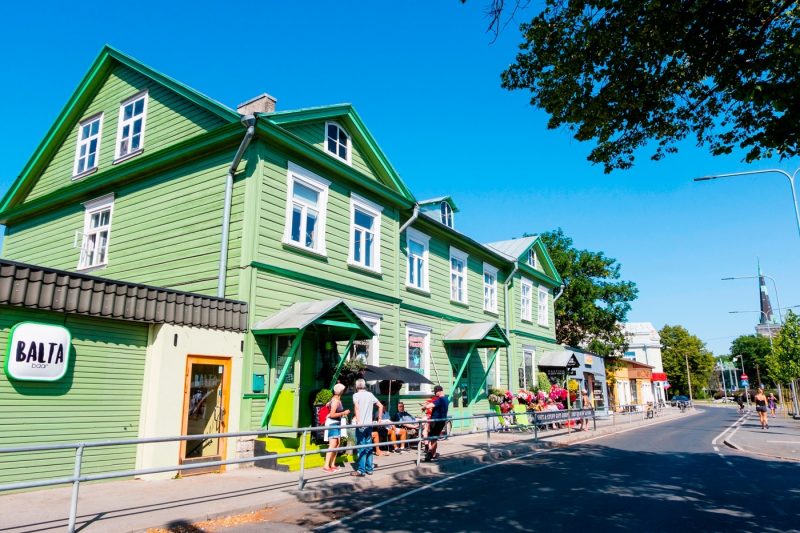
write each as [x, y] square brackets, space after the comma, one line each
[664, 478]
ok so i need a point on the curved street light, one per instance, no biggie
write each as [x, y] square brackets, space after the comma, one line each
[790, 177]
[774, 286]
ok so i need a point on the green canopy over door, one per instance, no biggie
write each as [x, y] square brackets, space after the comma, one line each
[335, 318]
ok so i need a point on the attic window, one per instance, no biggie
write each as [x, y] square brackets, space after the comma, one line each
[532, 258]
[447, 214]
[337, 142]
[130, 133]
[88, 148]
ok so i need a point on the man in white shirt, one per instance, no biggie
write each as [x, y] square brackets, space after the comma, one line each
[364, 403]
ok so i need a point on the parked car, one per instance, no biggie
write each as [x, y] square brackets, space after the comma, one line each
[679, 399]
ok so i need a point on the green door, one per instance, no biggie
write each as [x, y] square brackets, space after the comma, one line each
[460, 395]
[285, 411]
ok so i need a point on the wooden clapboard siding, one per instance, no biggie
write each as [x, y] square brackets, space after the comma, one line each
[170, 119]
[337, 233]
[98, 399]
[439, 282]
[165, 230]
[314, 133]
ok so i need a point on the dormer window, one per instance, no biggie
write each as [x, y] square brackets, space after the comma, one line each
[532, 258]
[447, 214]
[337, 142]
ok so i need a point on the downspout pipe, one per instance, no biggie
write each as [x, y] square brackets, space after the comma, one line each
[506, 308]
[560, 292]
[249, 121]
[411, 220]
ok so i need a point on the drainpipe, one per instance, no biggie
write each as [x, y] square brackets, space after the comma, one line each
[250, 122]
[560, 292]
[508, 320]
[411, 220]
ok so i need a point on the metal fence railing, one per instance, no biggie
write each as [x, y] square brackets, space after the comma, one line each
[529, 421]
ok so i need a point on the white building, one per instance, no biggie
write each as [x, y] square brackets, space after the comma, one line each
[644, 346]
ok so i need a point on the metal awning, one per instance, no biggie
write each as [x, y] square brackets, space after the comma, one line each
[485, 334]
[335, 315]
[565, 359]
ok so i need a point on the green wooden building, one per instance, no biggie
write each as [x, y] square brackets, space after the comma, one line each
[297, 214]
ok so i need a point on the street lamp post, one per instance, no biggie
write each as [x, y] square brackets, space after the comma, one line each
[774, 286]
[722, 374]
[790, 177]
[688, 378]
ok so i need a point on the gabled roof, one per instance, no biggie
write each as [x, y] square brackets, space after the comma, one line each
[486, 334]
[517, 249]
[348, 117]
[328, 313]
[109, 57]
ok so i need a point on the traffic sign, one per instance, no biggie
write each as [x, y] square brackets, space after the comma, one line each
[744, 376]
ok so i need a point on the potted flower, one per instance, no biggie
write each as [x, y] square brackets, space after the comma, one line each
[352, 369]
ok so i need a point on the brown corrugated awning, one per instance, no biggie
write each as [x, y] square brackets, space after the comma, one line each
[38, 287]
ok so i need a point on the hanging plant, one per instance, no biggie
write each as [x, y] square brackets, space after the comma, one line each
[352, 369]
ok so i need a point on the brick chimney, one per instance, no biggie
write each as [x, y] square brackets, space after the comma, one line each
[263, 103]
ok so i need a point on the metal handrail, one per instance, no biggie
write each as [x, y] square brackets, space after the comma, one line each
[79, 448]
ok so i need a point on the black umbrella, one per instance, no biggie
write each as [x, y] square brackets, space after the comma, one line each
[394, 373]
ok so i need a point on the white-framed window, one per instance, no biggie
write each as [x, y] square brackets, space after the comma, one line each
[87, 150]
[446, 212]
[418, 354]
[417, 245]
[493, 377]
[527, 378]
[365, 233]
[368, 350]
[337, 142]
[458, 275]
[543, 315]
[96, 232]
[130, 132]
[489, 288]
[526, 299]
[531, 257]
[306, 205]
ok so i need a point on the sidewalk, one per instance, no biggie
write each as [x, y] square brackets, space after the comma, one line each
[135, 505]
[781, 440]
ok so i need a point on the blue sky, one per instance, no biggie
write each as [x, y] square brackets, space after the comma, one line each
[425, 78]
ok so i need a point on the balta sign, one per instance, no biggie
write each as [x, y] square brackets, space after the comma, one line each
[37, 352]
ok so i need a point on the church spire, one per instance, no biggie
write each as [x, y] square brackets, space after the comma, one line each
[766, 307]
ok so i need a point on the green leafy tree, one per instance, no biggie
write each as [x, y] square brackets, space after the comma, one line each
[629, 72]
[678, 345]
[755, 349]
[784, 361]
[595, 299]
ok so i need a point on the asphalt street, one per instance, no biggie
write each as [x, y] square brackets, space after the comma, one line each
[663, 478]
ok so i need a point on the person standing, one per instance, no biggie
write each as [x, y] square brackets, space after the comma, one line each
[761, 408]
[337, 414]
[586, 403]
[364, 403]
[438, 406]
[772, 403]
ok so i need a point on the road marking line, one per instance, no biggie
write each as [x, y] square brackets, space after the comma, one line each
[785, 441]
[727, 429]
[342, 520]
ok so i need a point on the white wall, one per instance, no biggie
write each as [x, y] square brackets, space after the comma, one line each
[164, 380]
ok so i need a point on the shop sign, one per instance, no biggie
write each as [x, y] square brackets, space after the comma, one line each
[562, 415]
[587, 361]
[416, 342]
[37, 352]
[573, 362]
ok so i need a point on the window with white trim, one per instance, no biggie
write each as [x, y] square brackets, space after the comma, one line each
[418, 355]
[526, 299]
[543, 315]
[458, 275]
[532, 257]
[493, 376]
[306, 204]
[446, 211]
[87, 151]
[365, 233]
[337, 141]
[417, 251]
[527, 377]
[368, 350]
[489, 288]
[130, 132]
[96, 232]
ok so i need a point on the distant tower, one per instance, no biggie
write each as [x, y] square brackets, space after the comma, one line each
[767, 326]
